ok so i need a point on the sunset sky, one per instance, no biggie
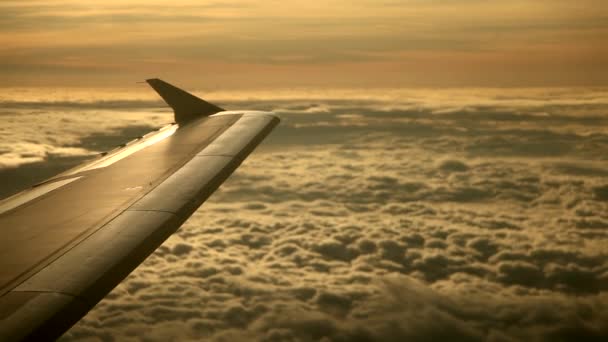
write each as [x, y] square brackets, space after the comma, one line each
[264, 44]
[439, 172]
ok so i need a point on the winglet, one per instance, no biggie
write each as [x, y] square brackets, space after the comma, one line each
[185, 105]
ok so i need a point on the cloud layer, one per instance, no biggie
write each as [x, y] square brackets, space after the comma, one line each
[463, 215]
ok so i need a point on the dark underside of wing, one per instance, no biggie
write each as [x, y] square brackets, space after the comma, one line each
[68, 241]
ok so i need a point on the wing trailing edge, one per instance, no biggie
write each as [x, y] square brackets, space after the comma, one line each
[185, 105]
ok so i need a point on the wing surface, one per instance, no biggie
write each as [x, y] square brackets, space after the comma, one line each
[70, 240]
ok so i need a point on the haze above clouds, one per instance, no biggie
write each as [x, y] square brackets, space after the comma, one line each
[399, 214]
[249, 44]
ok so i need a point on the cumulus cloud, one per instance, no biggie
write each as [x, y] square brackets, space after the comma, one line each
[45, 132]
[410, 222]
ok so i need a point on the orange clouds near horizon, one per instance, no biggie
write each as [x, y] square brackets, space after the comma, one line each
[246, 44]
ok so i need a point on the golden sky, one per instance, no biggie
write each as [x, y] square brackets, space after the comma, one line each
[336, 43]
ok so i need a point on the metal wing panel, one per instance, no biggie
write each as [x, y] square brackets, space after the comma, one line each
[234, 144]
[235, 139]
[35, 316]
[36, 232]
[184, 186]
[81, 275]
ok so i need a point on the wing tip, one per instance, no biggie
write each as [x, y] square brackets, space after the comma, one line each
[185, 105]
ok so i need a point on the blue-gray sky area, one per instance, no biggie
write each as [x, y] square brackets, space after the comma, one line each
[253, 44]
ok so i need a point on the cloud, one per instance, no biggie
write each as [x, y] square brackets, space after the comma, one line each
[386, 219]
[45, 133]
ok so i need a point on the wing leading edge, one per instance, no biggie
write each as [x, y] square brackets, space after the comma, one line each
[67, 246]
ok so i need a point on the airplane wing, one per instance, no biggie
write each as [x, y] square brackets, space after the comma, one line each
[66, 242]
